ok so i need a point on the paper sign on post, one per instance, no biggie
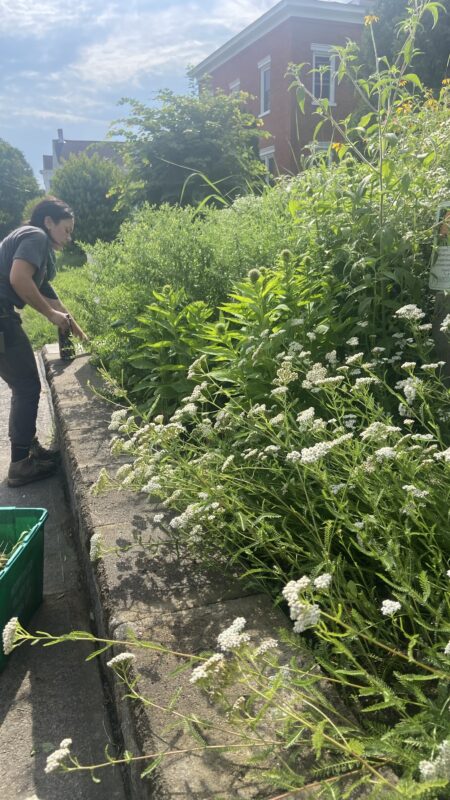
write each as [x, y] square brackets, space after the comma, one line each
[440, 264]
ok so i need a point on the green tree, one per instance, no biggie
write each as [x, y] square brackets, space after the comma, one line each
[207, 140]
[86, 183]
[17, 186]
[431, 61]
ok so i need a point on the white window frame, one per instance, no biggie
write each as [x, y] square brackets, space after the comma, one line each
[264, 67]
[265, 154]
[328, 51]
[235, 86]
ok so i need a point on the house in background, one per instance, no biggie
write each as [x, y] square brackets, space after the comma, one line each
[63, 148]
[256, 61]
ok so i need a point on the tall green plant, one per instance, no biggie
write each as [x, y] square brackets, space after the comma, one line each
[372, 141]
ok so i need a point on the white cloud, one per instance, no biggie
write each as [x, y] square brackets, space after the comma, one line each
[146, 44]
[26, 18]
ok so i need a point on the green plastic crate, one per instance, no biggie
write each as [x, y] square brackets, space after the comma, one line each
[22, 578]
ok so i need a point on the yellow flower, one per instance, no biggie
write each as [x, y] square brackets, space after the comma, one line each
[337, 146]
[402, 83]
[370, 19]
[446, 82]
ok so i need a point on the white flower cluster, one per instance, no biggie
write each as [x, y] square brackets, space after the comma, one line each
[336, 487]
[9, 635]
[117, 417]
[229, 460]
[309, 455]
[389, 607]
[322, 582]
[420, 494]
[315, 376]
[378, 430]
[410, 312]
[367, 381]
[443, 455]
[204, 670]
[196, 367]
[285, 374]
[305, 418]
[121, 658]
[55, 759]
[257, 410]
[445, 325]
[233, 637]
[279, 391]
[409, 387]
[184, 412]
[439, 768]
[95, 547]
[385, 454]
[353, 341]
[433, 367]
[266, 644]
[354, 358]
[197, 392]
[305, 615]
[331, 358]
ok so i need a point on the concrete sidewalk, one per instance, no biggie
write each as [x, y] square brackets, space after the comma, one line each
[48, 694]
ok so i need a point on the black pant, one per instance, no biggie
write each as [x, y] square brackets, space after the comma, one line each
[18, 368]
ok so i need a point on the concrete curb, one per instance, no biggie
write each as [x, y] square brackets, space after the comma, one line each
[160, 596]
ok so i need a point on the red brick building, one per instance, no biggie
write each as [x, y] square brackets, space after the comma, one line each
[256, 61]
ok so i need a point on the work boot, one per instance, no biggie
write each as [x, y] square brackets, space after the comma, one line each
[43, 454]
[29, 469]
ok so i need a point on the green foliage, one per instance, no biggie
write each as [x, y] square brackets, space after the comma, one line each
[171, 146]
[431, 42]
[17, 186]
[314, 453]
[86, 183]
[159, 348]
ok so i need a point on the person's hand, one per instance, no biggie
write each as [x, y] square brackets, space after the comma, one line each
[62, 321]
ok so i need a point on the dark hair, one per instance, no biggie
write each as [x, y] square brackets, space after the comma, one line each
[50, 207]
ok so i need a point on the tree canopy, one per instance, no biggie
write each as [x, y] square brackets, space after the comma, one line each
[17, 186]
[85, 182]
[431, 63]
[206, 139]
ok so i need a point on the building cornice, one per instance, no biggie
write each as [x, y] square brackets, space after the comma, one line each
[325, 10]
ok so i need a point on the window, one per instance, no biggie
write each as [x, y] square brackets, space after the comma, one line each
[235, 86]
[324, 72]
[264, 86]
[267, 156]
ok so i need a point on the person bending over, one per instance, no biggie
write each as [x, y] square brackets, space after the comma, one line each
[27, 265]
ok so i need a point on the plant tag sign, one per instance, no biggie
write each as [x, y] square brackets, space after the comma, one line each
[440, 263]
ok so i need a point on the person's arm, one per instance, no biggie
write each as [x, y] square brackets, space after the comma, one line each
[58, 306]
[21, 279]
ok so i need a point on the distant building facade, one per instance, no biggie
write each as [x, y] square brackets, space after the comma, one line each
[256, 61]
[63, 148]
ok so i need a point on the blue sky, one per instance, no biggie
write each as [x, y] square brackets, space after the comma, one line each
[66, 65]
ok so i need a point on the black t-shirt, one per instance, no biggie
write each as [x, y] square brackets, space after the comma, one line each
[32, 245]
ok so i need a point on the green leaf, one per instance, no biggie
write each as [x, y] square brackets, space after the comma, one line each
[413, 78]
[317, 738]
[301, 97]
[152, 766]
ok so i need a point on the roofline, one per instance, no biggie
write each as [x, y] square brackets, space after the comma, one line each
[284, 10]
